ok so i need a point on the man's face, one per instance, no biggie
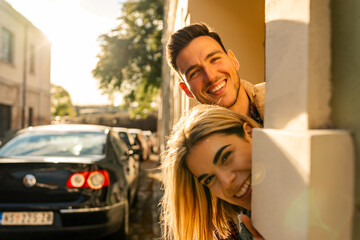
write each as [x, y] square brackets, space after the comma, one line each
[210, 74]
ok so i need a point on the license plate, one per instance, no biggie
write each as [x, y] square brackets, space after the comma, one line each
[26, 218]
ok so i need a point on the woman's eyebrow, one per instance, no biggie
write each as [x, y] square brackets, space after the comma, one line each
[218, 153]
[202, 177]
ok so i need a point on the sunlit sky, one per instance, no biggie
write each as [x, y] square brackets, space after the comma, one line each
[73, 27]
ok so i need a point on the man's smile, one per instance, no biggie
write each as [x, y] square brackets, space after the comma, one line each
[216, 89]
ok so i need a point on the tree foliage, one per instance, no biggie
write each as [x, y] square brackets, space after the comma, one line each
[61, 104]
[131, 55]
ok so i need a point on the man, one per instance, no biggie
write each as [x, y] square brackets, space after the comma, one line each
[209, 72]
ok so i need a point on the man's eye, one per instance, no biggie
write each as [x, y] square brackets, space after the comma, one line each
[193, 73]
[225, 157]
[214, 59]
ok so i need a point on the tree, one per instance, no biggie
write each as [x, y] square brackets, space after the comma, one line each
[61, 104]
[131, 55]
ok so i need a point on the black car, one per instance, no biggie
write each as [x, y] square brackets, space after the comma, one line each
[141, 140]
[64, 182]
[134, 165]
[125, 135]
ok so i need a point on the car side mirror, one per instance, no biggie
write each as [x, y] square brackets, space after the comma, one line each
[129, 153]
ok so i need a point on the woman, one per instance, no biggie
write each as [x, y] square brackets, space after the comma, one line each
[207, 176]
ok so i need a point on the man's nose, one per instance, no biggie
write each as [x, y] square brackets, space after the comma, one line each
[210, 74]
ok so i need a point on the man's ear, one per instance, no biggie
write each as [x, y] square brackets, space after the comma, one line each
[186, 89]
[248, 131]
[233, 59]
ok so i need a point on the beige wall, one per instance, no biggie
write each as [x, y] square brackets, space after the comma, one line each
[345, 81]
[12, 76]
[240, 24]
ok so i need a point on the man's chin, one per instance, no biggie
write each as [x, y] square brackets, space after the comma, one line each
[227, 104]
[220, 102]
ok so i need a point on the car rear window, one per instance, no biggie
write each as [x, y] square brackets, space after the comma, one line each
[64, 144]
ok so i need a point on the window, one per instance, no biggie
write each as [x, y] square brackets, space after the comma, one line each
[55, 144]
[7, 42]
[31, 117]
[32, 59]
[5, 119]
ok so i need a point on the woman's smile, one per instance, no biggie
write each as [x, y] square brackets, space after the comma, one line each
[244, 188]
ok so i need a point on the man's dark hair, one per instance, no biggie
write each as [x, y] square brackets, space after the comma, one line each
[184, 36]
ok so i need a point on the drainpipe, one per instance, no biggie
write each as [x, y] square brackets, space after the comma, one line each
[24, 78]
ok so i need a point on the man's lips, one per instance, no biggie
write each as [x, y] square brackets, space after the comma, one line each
[218, 87]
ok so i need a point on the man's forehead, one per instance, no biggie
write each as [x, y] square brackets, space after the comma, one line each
[198, 49]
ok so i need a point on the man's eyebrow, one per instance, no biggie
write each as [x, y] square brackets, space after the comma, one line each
[213, 53]
[207, 57]
[218, 153]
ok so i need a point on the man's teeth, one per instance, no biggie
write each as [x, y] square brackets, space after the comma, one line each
[218, 87]
[244, 188]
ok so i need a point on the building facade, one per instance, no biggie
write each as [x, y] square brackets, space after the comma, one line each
[306, 158]
[24, 72]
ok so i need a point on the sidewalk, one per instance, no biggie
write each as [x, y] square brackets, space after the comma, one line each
[144, 216]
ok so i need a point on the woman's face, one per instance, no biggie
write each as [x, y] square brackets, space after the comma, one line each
[223, 163]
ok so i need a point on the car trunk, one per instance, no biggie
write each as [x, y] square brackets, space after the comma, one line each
[17, 178]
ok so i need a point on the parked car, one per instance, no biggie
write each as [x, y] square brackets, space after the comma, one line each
[133, 146]
[142, 141]
[126, 136]
[151, 141]
[64, 181]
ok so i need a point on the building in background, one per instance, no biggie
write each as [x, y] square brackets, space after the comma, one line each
[24, 72]
[308, 53]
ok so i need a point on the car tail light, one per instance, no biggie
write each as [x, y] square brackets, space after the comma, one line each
[92, 179]
[77, 180]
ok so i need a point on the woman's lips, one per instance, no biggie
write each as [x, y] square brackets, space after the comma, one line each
[244, 188]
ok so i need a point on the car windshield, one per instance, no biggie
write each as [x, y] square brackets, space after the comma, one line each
[64, 144]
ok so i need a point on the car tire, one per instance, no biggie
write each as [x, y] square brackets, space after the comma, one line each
[121, 234]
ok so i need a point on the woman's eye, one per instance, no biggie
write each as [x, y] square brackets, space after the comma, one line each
[208, 180]
[225, 157]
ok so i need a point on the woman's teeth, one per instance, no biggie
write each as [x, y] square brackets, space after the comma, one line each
[218, 87]
[244, 188]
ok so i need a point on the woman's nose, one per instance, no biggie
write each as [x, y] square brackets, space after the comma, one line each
[227, 179]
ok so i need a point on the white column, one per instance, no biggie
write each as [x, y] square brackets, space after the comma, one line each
[303, 179]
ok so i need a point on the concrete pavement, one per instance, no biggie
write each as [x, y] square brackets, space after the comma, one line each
[144, 215]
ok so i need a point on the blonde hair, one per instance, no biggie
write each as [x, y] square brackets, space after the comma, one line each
[188, 209]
